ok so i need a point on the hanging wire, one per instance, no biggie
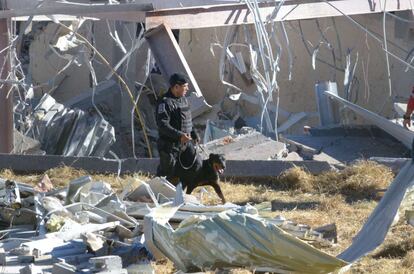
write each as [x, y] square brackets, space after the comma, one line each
[384, 18]
[306, 42]
[366, 73]
[329, 45]
[142, 85]
[370, 33]
[121, 80]
[266, 83]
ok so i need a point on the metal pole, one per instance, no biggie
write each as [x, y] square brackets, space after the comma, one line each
[6, 102]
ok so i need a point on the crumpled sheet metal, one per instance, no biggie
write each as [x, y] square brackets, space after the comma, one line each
[63, 131]
[232, 239]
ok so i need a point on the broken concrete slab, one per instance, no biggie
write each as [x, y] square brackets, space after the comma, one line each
[394, 163]
[213, 132]
[140, 269]
[106, 263]
[345, 144]
[23, 144]
[31, 269]
[64, 268]
[254, 146]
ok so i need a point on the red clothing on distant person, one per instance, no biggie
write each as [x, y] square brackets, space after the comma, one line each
[410, 105]
[409, 111]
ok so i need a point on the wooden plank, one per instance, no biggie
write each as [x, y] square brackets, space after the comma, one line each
[225, 15]
[123, 12]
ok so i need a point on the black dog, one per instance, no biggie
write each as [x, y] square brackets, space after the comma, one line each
[192, 171]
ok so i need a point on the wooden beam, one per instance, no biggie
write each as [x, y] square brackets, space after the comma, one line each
[122, 12]
[225, 15]
[6, 102]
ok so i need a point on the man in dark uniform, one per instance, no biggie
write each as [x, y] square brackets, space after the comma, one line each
[175, 127]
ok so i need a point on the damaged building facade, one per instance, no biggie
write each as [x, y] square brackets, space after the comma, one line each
[348, 51]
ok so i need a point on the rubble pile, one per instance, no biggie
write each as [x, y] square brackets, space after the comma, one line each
[70, 132]
[88, 228]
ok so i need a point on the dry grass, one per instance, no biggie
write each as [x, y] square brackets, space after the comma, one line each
[398, 249]
[61, 176]
[408, 260]
[360, 181]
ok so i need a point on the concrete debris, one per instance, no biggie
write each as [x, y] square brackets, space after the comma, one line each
[44, 185]
[89, 228]
[336, 145]
[251, 146]
[10, 194]
[339, 145]
[213, 132]
[140, 269]
[106, 263]
[70, 132]
[23, 144]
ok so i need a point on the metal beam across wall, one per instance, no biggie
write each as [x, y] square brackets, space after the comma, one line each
[123, 12]
[201, 16]
[225, 15]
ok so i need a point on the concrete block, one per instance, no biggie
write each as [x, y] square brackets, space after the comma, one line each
[77, 259]
[106, 263]
[116, 271]
[63, 268]
[25, 259]
[6, 259]
[140, 269]
[31, 269]
[252, 146]
[25, 145]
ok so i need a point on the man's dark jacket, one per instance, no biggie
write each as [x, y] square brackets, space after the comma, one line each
[173, 116]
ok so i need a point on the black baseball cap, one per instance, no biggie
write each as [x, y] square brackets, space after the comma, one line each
[178, 79]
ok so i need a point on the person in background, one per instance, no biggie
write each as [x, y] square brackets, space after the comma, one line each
[409, 111]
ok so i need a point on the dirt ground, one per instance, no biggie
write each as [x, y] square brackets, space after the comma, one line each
[345, 198]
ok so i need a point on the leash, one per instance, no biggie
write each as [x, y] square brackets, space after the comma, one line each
[194, 160]
[202, 149]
